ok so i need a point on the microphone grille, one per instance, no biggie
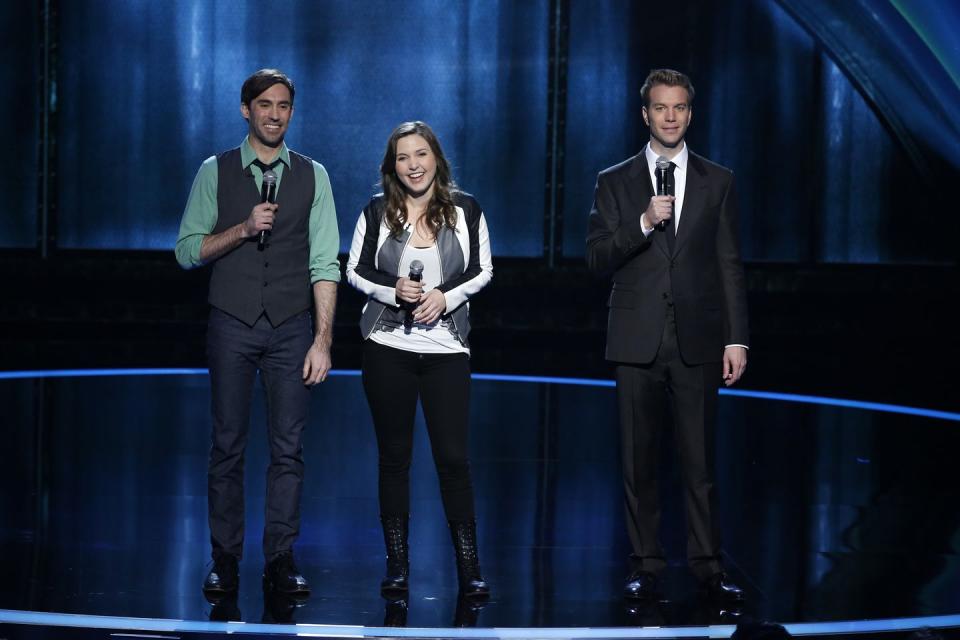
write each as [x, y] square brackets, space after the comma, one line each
[269, 177]
[663, 163]
[416, 267]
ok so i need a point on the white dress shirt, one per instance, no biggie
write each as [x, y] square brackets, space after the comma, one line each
[679, 181]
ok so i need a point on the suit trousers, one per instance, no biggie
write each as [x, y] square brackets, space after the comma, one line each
[235, 352]
[648, 396]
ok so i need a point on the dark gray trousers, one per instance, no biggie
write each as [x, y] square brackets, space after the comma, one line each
[648, 396]
[235, 352]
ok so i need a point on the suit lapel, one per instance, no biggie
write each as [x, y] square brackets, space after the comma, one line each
[694, 199]
[641, 190]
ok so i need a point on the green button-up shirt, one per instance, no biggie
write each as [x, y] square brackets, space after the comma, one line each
[200, 215]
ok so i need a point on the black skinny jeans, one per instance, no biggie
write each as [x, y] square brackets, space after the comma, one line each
[393, 379]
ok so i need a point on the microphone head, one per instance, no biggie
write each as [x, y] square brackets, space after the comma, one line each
[269, 177]
[663, 163]
[416, 268]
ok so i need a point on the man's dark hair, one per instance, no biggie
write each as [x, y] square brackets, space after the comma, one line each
[670, 78]
[261, 81]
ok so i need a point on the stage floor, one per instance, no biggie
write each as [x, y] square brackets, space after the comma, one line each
[830, 513]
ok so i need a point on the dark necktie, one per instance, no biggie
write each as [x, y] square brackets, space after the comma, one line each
[268, 192]
[668, 190]
[264, 167]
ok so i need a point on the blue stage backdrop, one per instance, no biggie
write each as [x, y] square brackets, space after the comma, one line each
[148, 90]
[820, 177]
[19, 113]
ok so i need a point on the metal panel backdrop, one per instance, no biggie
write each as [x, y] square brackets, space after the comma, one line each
[148, 90]
[19, 110]
[811, 108]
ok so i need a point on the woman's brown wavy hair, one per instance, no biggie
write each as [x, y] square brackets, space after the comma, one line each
[440, 210]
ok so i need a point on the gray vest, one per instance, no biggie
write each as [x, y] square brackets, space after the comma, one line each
[378, 315]
[246, 282]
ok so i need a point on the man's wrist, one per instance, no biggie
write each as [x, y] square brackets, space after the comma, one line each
[644, 224]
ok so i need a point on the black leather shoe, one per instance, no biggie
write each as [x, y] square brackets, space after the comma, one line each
[279, 608]
[641, 585]
[281, 575]
[225, 609]
[644, 613]
[224, 578]
[720, 587]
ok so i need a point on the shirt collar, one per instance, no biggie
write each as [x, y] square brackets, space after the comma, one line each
[680, 159]
[248, 155]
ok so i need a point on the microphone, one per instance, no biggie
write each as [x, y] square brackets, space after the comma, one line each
[416, 271]
[416, 274]
[664, 185]
[268, 193]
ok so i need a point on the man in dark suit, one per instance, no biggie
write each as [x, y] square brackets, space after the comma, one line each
[677, 325]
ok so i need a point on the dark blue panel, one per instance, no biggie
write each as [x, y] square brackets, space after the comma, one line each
[937, 24]
[148, 90]
[758, 116]
[20, 112]
[903, 56]
[604, 123]
[858, 153]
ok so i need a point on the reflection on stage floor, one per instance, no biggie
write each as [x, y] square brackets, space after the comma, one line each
[829, 513]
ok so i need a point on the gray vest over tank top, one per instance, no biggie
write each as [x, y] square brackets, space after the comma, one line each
[246, 282]
[378, 315]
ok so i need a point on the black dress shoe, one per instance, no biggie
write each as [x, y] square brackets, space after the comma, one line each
[225, 609]
[224, 578]
[720, 587]
[281, 575]
[644, 613]
[279, 608]
[641, 585]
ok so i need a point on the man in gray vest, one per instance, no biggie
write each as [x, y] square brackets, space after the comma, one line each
[269, 259]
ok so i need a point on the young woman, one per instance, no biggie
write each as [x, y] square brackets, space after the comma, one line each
[420, 251]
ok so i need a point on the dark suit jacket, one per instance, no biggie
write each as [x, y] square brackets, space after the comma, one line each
[703, 278]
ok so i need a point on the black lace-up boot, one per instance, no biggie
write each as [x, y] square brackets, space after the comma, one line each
[472, 584]
[395, 533]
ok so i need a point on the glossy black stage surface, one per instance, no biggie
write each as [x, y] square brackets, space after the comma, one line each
[829, 513]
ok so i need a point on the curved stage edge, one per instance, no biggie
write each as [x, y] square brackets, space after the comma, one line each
[34, 624]
[132, 626]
